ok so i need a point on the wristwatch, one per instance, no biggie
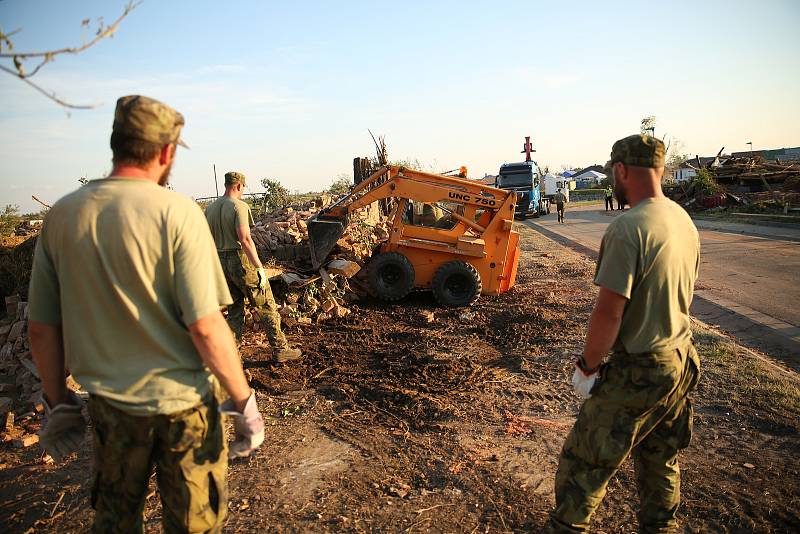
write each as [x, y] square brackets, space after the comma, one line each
[584, 367]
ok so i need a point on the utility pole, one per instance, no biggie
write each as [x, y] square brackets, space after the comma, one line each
[216, 185]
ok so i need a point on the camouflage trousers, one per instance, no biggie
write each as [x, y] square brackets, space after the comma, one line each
[243, 284]
[190, 455]
[638, 407]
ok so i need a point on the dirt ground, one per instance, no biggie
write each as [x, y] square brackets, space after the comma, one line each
[413, 418]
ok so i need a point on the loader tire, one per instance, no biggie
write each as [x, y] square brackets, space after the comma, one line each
[391, 276]
[456, 284]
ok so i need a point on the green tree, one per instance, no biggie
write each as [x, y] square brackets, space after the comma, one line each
[277, 196]
[648, 125]
[9, 220]
[341, 185]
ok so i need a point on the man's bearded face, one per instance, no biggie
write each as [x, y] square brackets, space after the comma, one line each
[619, 190]
[164, 179]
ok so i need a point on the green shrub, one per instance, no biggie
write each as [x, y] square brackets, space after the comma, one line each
[341, 185]
[705, 184]
[9, 220]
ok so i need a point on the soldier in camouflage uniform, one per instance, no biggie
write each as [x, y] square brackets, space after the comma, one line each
[230, 220]
[637, 403]
[126, 292]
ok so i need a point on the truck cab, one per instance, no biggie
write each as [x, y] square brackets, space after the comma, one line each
[525, 180]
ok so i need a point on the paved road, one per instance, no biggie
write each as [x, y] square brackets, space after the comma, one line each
[753, 272]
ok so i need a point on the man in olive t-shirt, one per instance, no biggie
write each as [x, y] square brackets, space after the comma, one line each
[636, 404]
[230, 220]
[126, 292]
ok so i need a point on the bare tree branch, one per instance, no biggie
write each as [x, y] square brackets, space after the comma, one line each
[52, 96]
[46, 205]
[102, 33]
[48, 56]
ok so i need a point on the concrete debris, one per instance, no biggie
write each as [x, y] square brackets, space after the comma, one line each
[343, 267]
[306, 297]
[16, 331]
[26, 441]
[282, 234]
[11, 305]
[20, 388]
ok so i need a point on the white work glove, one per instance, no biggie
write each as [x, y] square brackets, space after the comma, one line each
[262, 278]
[249, 427]
[64, 427]
[583, 383]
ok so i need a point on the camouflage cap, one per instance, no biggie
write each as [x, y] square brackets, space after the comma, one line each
[639, 150]
[147, 119]
[233, 178]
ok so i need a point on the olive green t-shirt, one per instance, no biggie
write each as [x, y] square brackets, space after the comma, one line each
[651, 256]
[125, 265]
[224, 216]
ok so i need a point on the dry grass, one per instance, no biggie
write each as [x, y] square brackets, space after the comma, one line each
[747, 378]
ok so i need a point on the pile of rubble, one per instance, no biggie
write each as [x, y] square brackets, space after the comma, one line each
[282, 234]
[759, 185]
[752, 174]
[307, 296]
[20, 388]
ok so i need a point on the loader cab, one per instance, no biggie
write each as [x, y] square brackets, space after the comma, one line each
[431, 215]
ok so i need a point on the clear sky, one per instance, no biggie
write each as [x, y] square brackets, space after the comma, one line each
[287, 90]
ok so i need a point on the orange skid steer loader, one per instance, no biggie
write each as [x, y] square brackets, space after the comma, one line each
[447, 234]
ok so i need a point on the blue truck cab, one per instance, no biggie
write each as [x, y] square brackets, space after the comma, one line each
[525, 180]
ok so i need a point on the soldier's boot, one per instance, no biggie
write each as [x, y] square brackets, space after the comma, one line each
[286, 354]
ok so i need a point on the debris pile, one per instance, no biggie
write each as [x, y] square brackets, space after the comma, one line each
[305, 296]
[751, 183]
[282, 234]
[746, 175]
[20, 388]
[279, 233]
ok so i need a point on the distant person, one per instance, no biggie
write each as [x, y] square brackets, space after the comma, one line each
[609, 196]
[620, 203]
[560, 199]
[230, 219]
[126, 293]
[637, 403]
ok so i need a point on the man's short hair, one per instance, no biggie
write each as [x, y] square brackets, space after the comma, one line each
[135, 152]
[232, 178]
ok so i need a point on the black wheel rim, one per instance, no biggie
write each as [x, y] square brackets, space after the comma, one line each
[390, 276]
[458, 286]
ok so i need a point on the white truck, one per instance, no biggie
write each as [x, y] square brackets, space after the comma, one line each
[552, 183]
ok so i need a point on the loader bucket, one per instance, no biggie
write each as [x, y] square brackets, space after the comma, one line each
[323, 233]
